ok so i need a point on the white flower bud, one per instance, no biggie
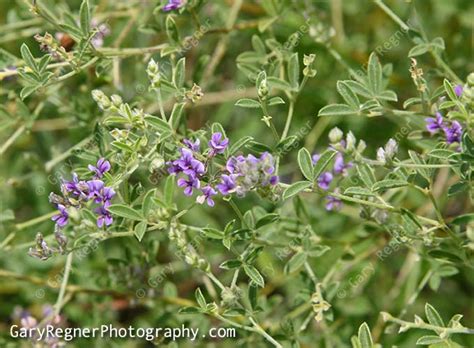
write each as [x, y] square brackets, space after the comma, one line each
[116, 100]
[381, 155]
[350, 142]
[101, 99]
[335, 135]
[391, 149]
[152, 68]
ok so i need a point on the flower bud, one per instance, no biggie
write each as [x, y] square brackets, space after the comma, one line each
[263, 89]
[308, 59]
[152, 68]
[335, 135]
[350, 142]
[101, 99]
[381, 155]
[391, 149]
[116, 100]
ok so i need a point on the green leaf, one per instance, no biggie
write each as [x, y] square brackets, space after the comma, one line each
[28, 90]
[296, 188]
[429, 339]
[306, 164]
[213, 233]
[323, 161]
[359, 88]
[189, 310]
[457, 188]
[463, 219]
[349, 96]
[267, 219]
[140, 230]
[176, 115]
[179, 73]
[337, 110]
[28, 57]
[254, 275]
[366, 174]
[85, 18]
[158, 123]
[258, 45]
[438, 42]
[276, 101]
[248, 103]
[358, 191]
[433, 316]
[419, 49]
[388, 95]
[148, 202]
[365, 337]
[238, 144]
[125, 212]
[172, 30]
[448, 87]
[388, 184]
[374, 72]
[200, 298]
[277, 83]
[231, 264]
[170, 186]
[294, 71]
[122, 146]
[296, 262]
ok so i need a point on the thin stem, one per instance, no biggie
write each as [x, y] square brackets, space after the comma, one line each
[12, 139]
[446, 330]
[62, 290]
[160, 104]
[289, 118]
[265, 334]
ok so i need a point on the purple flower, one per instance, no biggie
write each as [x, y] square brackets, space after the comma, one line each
[315, 158]
[104, 215]
[62, 218]
[95, 189]
[76, 187]
[217, 144]
[173, 5]
[274, 180]
[453, 133]
[193, 146]
[107, 194]
[227, 184]
[458, 89]
[434, 124]
[333, 203]
[102, 167]
[339, 166]
[188, 184]
[325, 180]
[187, 164]
[208, 192]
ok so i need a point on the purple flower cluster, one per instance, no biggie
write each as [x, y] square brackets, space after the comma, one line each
[241, 174]
[248, 173]
[173, 5]
[452, 129]
[77, 192]
[325, 179]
